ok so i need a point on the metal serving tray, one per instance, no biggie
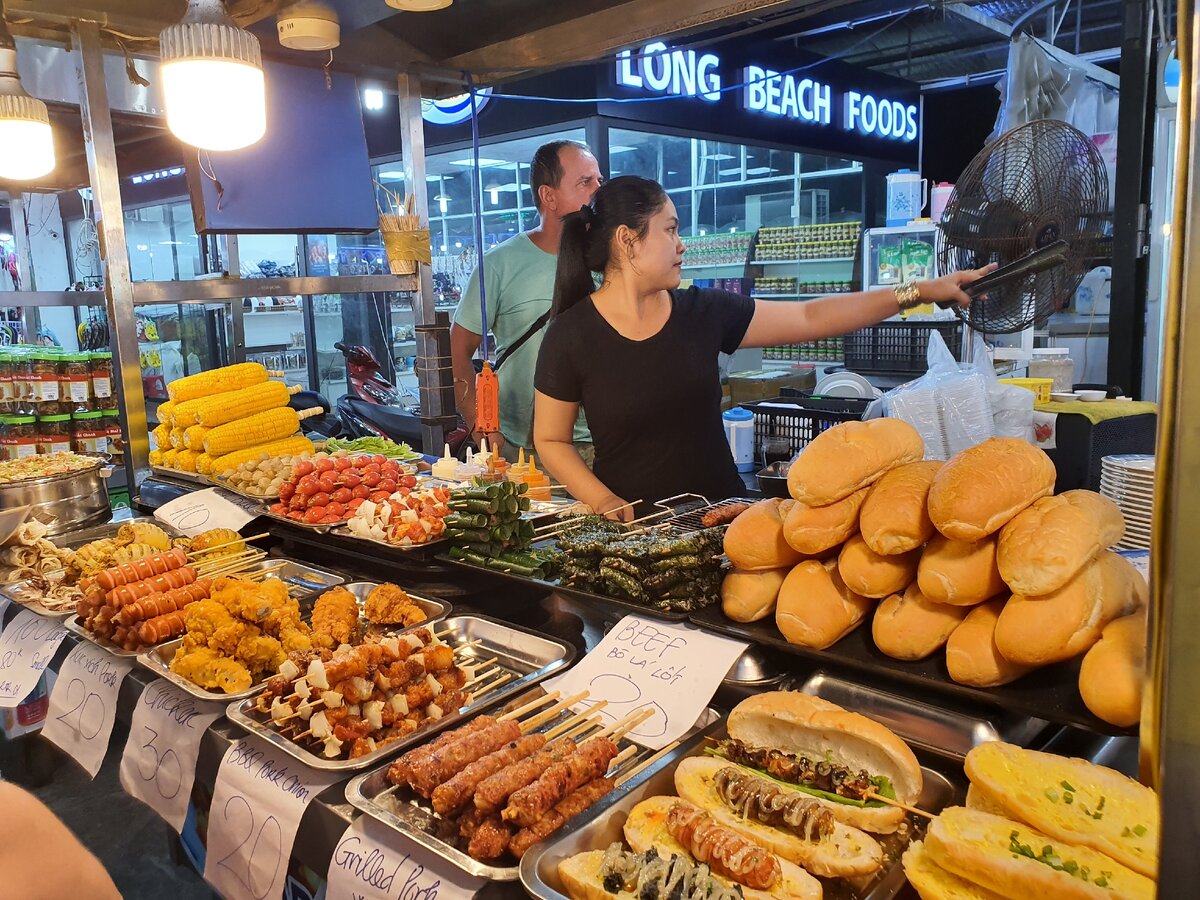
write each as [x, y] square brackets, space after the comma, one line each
[76, 539]
[528, 656]
[434, 609]
[296, 574]
[319, 528]
[157, 660]
[177, 475]
[20, 592]
[75, 624]
[222, 482]
[404, 811]
[944, 785]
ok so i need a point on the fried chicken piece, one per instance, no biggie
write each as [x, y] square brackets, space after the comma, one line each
[212, 671]
[335, 619]
[203, 619]
[295, 640]
[388, 604]
[259, 652]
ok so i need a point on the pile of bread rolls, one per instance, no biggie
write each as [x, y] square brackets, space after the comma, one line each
[972, 555]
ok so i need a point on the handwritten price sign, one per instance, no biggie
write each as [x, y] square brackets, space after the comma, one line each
[26, 647]
[83, 705]
[259, 800]
[159, 762]
[674, 669]
[371, 862]
[201, 510]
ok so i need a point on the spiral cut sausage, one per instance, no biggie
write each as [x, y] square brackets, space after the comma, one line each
[162, 603]
[168, 581]
[726, 852]
[757, 799]
[530, 803]
[141, 569]
[161, 628]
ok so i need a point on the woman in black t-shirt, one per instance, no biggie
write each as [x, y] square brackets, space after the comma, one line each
[640, 355]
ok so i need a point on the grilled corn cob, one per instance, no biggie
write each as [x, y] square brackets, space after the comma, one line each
[286, 447]
[169, 458]
[177, 442]
[219, 409]
[162, 437]
[156, 457]
[260, 428]
[204, 464]
[216, 381]
[166, 412]
[193, 437]
[186, 460]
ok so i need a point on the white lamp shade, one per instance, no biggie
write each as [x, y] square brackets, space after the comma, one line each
[26, 149]
[215, 104]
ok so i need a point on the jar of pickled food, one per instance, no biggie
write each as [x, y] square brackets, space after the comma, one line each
[101, 367]
[44, 382]
[112, 428]
[20, 437]
[8, 393]
[54, 434]
[75, 380]
[89, 434]
[22, 370]
[105, 403]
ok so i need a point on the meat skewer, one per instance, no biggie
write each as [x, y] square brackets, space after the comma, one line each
[162, 603]
[565, 810]
[452, 795]
[589, 761]
[138, 570]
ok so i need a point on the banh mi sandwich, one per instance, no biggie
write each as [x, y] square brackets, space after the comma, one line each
[1071, 800]
[624, 875]
[1014, 860]
[792, 825]
[933, 882]
[673, 827]
[815, 747]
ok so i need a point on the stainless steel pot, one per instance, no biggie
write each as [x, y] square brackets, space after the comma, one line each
[63, 502]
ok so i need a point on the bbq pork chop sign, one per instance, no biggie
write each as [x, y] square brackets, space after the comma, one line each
[732, 87]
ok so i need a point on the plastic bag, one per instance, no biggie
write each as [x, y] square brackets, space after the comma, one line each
[1012, 406]
[949, 405]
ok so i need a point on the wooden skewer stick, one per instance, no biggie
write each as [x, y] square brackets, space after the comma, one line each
[636, 716]
[624, 728]
[488, 688]
[872, 795]
[646, 763]
[481, 663]
[263, 573]
[222, 562]
[623, 757]
[535, 722]
[529, 707]
[579, 729]
[483, 676]
[653, 515]
[465, 647]
[302, 735]
[571, 722]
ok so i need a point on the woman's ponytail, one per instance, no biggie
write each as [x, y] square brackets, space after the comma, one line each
[587, 235]
[573, 279]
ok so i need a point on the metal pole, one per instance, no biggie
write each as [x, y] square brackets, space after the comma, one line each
[412, 142]
[110, 226]
[1170, 725]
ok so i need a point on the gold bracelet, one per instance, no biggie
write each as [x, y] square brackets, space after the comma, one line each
[908, 296]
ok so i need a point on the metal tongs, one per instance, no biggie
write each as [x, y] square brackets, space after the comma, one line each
[1048, 257]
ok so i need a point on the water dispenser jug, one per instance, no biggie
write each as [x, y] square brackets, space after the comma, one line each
[907, 193]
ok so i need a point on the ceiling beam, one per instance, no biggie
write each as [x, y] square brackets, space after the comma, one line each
[593, 36]
[964, 11]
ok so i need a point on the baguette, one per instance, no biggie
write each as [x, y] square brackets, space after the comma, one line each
[1017, 861]
[977, 492]
[933, 882]
[895, 517]
[1062, 625]
[958, 573]
[815, 608]
[1049, 543]
[754, 540]
[872, 575]
[1031, 787]
[972, 657]
[1114, 672]
[813, 530]
[909, 626]
[846, 852]
[750, 596]
[851, 456]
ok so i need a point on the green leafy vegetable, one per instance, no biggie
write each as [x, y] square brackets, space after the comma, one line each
[882, 784]
[379, 445]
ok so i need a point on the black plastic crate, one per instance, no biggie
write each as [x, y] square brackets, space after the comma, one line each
[899, 347]
[800, 419]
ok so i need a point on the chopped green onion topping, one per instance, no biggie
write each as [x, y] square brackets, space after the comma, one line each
[1139, 830]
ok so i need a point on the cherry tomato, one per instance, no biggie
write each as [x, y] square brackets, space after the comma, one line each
[320, 499]
[314, 515]
[355, 503]
[307, 486]
[372, 479]
[342, 464]
[330, 519]
[351, 480]
[379, 459]
[277, 508]
[328, 484]
[325, 465]
[388, 484]
[296, 516]
[302, 468]
[377, 496]
[408, 481]
[341, 495]
[361, 492]
[391, 467]
[286, 490]
[372, 467]
[298, 502]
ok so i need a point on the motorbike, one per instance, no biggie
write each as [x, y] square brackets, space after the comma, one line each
[374, 407]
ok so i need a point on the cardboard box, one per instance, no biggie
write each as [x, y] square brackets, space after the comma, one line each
[745, 387]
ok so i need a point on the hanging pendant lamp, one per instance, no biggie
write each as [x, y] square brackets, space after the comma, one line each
[212, 79]
[26, 140]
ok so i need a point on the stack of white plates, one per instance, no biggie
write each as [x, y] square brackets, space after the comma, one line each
[1128, 480]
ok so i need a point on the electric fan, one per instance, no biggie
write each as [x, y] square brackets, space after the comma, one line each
[1036, 202]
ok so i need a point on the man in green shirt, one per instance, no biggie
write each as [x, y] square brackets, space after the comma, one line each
[520, 284]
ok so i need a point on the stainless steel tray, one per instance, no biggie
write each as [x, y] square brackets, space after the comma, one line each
[158, 661]
[177, 475]
[21, 593]
[434, 609]
[602, 825]
[222, 482]
[297, 574]
[528, 656]
[73, 623]
[319, 528]
[402, 810]
[76, 539]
